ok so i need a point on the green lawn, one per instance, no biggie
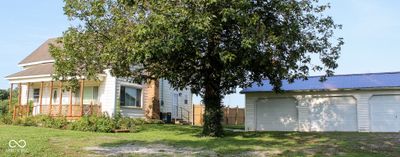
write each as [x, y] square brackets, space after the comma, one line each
[52, 142]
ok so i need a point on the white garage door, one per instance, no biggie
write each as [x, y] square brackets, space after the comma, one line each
[385, 112]
[276, 114]
[333, 114]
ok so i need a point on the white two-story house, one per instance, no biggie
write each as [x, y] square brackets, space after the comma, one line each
[108, 95]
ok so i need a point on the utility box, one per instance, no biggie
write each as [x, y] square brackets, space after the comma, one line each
[166, 117]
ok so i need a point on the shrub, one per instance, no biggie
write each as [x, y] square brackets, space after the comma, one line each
[83, 124]
[27, 121]
[102, 123]
[42, 121]
[6, 119]
[58, 123]
[125, 123]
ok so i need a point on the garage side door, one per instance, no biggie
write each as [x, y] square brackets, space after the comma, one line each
[333, 114]
[276, 114]
[385, 112]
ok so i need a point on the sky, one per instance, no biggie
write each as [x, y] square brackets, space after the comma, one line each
[371, 31]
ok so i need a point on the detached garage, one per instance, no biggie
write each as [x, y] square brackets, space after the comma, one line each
[358, 102]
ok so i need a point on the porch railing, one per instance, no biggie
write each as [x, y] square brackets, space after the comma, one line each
[185, 114]
[65, 110]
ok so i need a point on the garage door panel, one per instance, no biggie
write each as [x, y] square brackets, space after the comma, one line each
[276, 114]
[333, 114]
[384, 111]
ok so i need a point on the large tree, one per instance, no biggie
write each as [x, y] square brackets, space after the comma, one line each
[211, 46]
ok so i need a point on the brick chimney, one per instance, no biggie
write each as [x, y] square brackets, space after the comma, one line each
[152, 100]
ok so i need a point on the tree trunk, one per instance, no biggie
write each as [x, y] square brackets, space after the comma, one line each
[213, 110]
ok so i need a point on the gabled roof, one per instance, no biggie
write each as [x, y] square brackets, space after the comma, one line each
[41, 54]
[38, 70]
[337, 82]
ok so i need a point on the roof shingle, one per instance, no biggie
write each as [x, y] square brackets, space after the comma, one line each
[40, 54]
[42, 69]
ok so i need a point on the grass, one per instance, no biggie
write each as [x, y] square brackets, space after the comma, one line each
[235, 127]
[53, 142]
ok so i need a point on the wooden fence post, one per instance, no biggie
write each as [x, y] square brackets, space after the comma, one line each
[236, 115]
[193, 114]
[227, 116]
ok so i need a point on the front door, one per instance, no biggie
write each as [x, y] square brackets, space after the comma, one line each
[175, 106]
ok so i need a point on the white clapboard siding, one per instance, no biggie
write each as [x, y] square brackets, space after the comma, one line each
[107, 94]
[166, 95]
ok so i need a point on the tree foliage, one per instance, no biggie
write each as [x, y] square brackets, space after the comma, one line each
[211, 46]
[4, 94]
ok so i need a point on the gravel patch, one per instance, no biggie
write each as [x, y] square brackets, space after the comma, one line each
[152, 149]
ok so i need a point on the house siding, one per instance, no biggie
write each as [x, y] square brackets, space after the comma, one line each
[107, 94]
[361, 99]
[363, 111]
[250, 112]
[166, 95]
[129, 111]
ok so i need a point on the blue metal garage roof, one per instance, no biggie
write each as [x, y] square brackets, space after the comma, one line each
[352, 81]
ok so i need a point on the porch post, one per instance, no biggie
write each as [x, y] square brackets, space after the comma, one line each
[10, 101]
[40, 97]
[60, 104]
[51, 98]
[81, 97]
[16, 109]
[27, 99]
[19, 94]
[70, 103]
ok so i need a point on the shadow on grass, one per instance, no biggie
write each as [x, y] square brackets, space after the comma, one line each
[231, 143]
[270, 143]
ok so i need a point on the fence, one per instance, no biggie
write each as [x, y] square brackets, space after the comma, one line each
[232, 116]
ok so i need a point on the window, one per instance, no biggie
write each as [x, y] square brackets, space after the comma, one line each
[130, 96]
[36, 94]
[90, 95]
[55, 95]
[186, 101]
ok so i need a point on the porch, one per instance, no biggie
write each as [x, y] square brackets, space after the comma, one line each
[50, 98]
